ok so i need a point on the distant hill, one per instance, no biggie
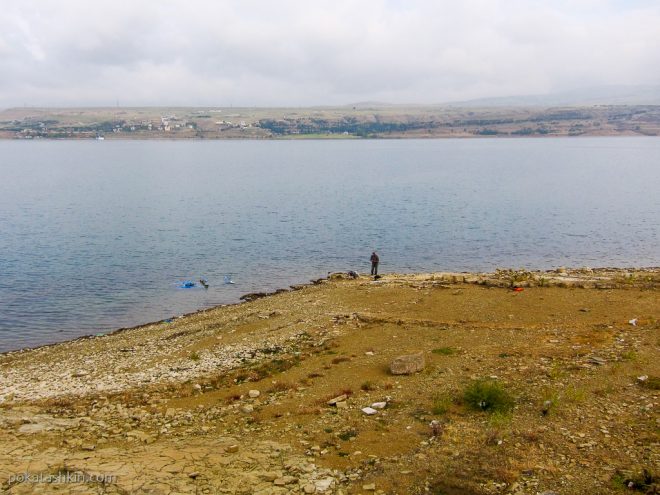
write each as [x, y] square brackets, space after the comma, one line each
[601, 95]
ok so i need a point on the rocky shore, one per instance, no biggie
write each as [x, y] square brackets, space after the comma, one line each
[294, 392]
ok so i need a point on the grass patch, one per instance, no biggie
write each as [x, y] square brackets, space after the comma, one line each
[500, 420]
[268, 369]
[367, 386]
[445, 351]
[484, 395]
[651, 383]
[194, 356]
[644, 482]
[441, 405]
[346, 435]
[282, 386]
[605, 391]
[629, 356]
[574, 394]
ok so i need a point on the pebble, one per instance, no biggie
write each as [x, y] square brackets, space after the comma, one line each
[254, 394]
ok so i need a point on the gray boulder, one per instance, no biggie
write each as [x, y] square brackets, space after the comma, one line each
[407, 364]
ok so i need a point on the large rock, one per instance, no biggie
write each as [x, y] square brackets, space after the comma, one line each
[407, 364]
[341, 398]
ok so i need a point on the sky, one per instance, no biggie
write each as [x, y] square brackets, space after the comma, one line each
[302, 53]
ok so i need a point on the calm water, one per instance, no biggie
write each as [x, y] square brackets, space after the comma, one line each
[95, 235]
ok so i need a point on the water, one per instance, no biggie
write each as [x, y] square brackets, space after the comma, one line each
[95, 235]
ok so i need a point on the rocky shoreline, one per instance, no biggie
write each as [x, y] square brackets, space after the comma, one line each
[234, 399]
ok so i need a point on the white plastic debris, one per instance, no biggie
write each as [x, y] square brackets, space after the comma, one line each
[379, 405]
[642, 378]
[633, 322]
[369, 411]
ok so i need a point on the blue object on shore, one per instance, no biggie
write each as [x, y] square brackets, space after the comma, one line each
[188, 284]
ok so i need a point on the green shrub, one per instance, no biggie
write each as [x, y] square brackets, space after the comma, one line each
[484, 395]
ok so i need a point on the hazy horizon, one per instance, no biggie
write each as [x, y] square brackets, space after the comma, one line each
[633, 95]
[293, 54]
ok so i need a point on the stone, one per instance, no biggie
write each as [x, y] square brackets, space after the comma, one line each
[371, 487]
[340, 398]
[232, 449]
[379, 405]
[193, 475]
[408, 364]
[285, 480]
[254, 394]
[269, 477]
[369, 411]
[342, 405]
[141, 436]
[309, 488]
[33, 428]
[247, 408]
[324, 484]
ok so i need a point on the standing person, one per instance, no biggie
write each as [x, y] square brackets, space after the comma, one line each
[374, 263]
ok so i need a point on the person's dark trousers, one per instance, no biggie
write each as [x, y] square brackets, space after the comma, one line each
[374, 268]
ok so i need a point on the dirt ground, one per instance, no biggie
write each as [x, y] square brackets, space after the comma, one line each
[235, 399]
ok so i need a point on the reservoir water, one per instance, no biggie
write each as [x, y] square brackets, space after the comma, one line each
[98, 235]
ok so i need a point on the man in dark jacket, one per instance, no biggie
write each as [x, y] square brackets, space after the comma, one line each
[374, 263]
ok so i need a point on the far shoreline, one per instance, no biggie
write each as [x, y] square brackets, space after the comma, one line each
[334, 138]
[331, 122]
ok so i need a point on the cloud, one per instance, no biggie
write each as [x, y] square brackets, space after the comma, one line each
[75, 52]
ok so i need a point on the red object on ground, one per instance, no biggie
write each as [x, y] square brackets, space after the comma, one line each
[518, 289]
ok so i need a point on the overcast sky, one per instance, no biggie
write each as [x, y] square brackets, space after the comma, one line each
[280, 52]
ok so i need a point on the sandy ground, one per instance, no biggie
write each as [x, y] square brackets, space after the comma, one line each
[235, 399]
